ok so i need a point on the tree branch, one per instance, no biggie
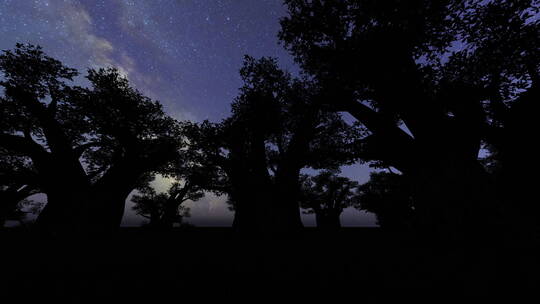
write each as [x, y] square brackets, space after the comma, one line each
[79, 150]
[396, 141]
[56, 139]
[53, 106]
[22, 145]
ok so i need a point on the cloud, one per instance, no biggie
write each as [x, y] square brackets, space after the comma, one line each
[100, 51]
[80, 40]
[181, 115]
[75, 36]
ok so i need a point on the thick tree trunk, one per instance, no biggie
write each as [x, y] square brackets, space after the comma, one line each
[516, 184]
[454, 201]
[328, 220]
[264, 205]
[67, 187]
[155, 221]
[109, 195]
[107, 209]
[252, 188]
[2, 221]
[109, 217]
[169, 215]
[266, 209]
[253, 211]
[287, 218]
[65, 212]
[83, 210]
[245, 214]
[8, 205]
[287, 193]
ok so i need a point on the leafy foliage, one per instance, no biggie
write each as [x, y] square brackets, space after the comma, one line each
[164, 209]
[276, 129]
[101, 141]
[460, 75]
[327, 194]
[389, 197]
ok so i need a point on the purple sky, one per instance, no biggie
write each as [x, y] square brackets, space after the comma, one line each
[184, 53]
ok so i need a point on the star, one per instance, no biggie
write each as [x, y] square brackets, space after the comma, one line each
[186, 54]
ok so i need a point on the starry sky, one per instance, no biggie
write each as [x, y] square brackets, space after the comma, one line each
[184, 53]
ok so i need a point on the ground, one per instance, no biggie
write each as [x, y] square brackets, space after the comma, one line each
[364, 265]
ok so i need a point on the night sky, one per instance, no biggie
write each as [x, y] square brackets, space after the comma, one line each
[184, 53]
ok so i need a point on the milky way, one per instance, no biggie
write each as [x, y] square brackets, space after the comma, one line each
[183, 53]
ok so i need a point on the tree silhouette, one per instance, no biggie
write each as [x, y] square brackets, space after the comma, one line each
[327, 195]
[389, 197]
[274, 131]
[17, 182]
[164, 210]
[447, 70]
[88, 146]
[506, 65]
[193, 175]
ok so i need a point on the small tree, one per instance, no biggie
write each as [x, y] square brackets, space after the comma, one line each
[164, 210]
[389, 197]
[327, 195]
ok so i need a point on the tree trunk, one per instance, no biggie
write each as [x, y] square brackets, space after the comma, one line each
[516, 184]
[68, 192]
[169, 215]
[155, 220]
[83, 210]
[328, 220]
[287, 218]
[454, 201]
[251, 188]
[107, 209]
[64, 212]
[8, 205]
[253, 210]
[287, 193]
[109, 195]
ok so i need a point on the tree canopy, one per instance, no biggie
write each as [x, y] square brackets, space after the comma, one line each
[389, 197]
[432, 85]
[164, 210]
[326, 195]
[276, 129]
[449, 71]
[87, 146]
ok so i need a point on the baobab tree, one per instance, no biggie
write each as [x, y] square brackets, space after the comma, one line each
[456, 74]
[164, 210]
[388, 196]
[89, 147]
[274, 131]
[326, 195]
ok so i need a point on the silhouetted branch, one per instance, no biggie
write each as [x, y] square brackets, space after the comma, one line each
[79, 150]
[22, 145]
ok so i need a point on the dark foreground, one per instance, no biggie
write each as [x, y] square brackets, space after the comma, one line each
[362, 265]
